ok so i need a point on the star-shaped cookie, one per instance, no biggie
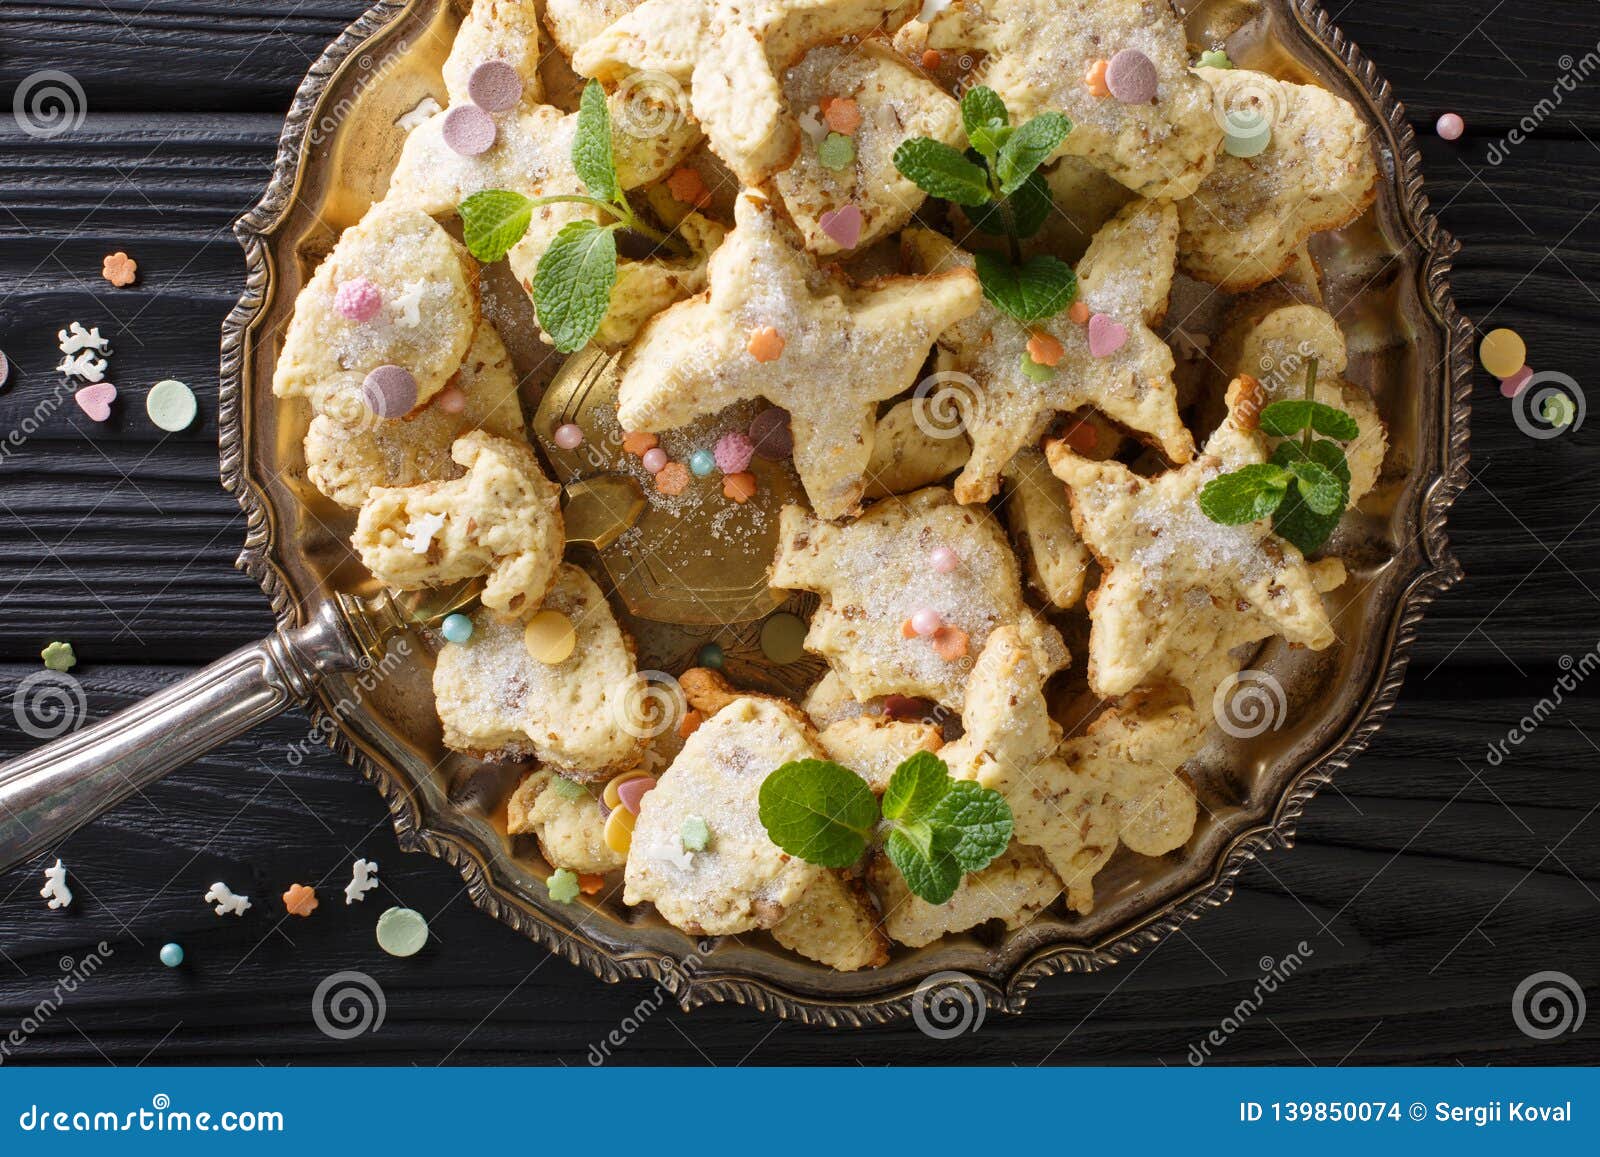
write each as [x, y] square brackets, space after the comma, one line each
[1039, 53]
[876, 573]
[1246, 221]
[1125, 278]
[731, 54]
[1165, 563]
[774, 325]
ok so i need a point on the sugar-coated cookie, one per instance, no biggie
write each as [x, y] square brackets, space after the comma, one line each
[911, 450]
[1040, 520]
[1013, 889]
[835, 923]
[567, 821]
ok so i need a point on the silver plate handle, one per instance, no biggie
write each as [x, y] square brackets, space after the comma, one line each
[49, 792]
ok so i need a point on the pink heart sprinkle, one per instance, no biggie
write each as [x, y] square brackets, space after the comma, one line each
[1106, 336]
[96, 400]
[843, 225]
[1512, 386]
[634, 790]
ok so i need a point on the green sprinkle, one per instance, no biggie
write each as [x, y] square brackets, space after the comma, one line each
[568, 789]
[59, 656]
[836, 151]
[1557, 410]
[402, 932]
[694, 834]
[1032, 369]
[1216, 58]
[563, 885]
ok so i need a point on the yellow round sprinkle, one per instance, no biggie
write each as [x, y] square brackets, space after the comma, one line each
[1503, 352]
[783, 637]
[549, 637]
[619, 831]
[613, 800]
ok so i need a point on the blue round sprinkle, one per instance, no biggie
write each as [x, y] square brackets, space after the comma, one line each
[702, 462]
[172, 955]
[710, 656]
[456, 628]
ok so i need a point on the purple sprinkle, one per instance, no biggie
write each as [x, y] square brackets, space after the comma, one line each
[494, 86]
[390, 391]
[468, 130]
[1131, 77]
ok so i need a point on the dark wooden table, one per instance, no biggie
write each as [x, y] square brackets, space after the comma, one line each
[1427, 885]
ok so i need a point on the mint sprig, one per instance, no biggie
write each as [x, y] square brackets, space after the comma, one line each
[1306, 485]
[573, 282]
[935, 829]
[998, 183]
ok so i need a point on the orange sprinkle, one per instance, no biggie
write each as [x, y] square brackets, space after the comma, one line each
[673, 478]
[1044, 349]
[1083, 438]
[119, 269]
[300, 899]
[637, 444]
[688, 187]
[690, 723]
[1079, 312]
[951, 643]
[740, 487]
[931, 58]
[766, 345]
[1096, 78]
[907, 631]
[843, 115]
[589, 883]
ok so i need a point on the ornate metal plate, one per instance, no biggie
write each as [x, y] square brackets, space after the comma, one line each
[1389, 274]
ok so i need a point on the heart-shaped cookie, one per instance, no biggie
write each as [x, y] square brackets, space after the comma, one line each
[96, 400]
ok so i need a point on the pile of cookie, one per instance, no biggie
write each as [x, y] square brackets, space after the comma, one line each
[968, 476]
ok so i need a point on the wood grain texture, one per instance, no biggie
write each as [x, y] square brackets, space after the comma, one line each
[1425, 887]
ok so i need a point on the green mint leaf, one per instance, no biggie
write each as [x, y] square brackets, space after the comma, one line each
[917, 785]
[572, 286]
[1332, 422]
[819, 811]
[984, 117]
[493, 221]
[940, 171]
[1040, 287]
[1319, 487]
[591, 145]
[1030, 208]
[1287, 418]
[1294, 520]
[924, 859]
[1249, 493]
[979, 822]
[1029, 147]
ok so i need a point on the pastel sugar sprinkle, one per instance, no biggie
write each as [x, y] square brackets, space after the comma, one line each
[733, 453]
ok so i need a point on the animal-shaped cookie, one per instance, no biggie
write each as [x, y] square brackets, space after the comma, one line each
[565, 816]
[1013, 889]
[921, 563]
[346, 460]
[573, 23]
[835, 924]
[502, 519]
[497, 701]
[1009, 745]
[1165, 562]
[911, 449]
[774, 325]
[1247, 220]
[1040, 519]
[496, 32]
[1157, 135]
[1115, 362]
[841, 204]
[397, 291]
[731, 54]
